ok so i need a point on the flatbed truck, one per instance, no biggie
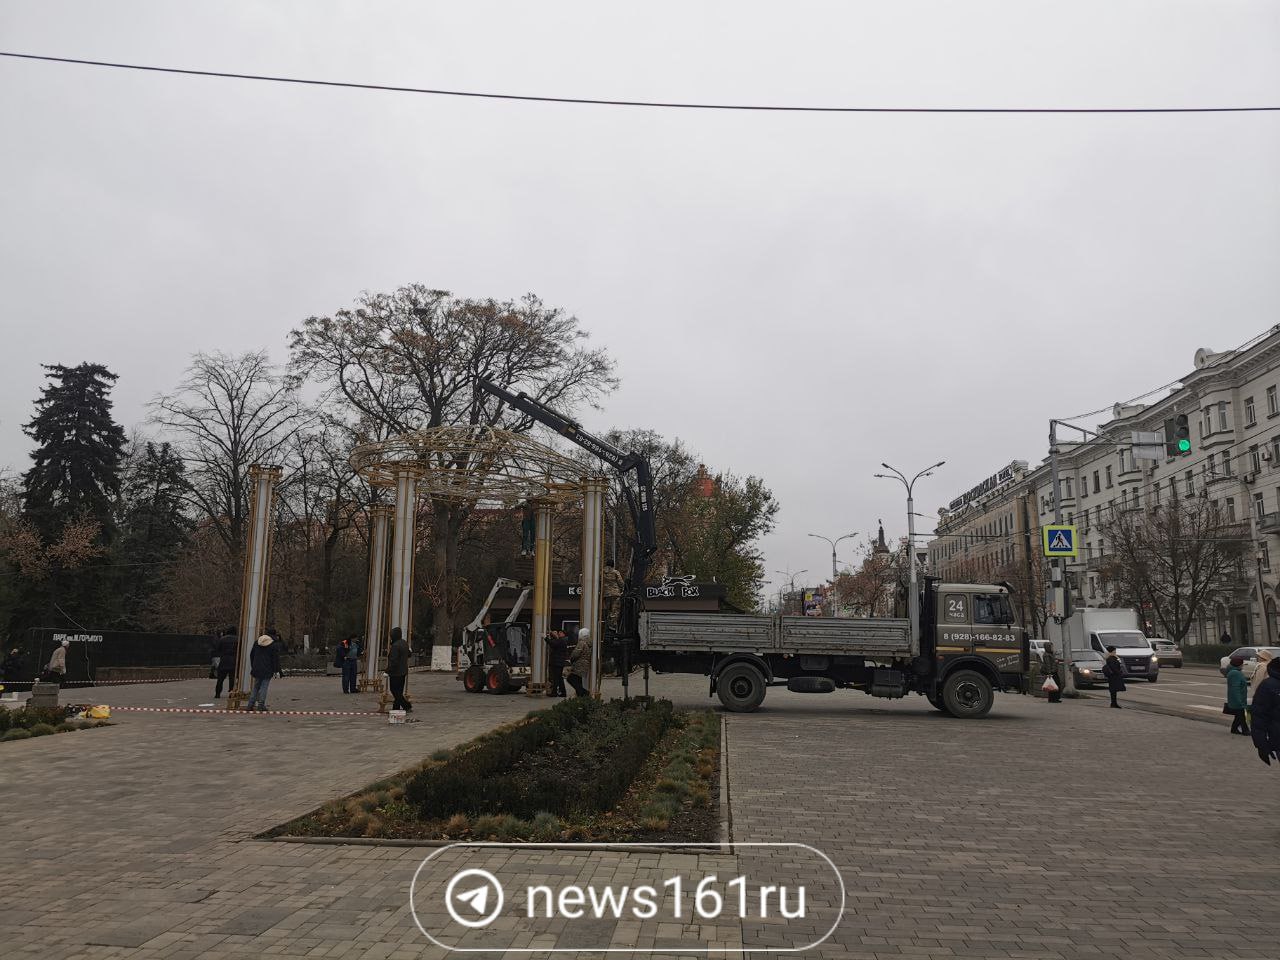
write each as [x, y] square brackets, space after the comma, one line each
[966, 648]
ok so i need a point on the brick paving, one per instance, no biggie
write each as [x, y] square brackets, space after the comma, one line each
[1054, 831]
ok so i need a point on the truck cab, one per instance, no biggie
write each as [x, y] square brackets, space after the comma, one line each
[972, 645]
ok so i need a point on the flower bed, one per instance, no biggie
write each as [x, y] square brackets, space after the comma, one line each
[582, 770]
[31, 722]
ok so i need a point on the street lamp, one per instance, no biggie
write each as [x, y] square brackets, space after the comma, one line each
[791, 577]
[833, 562]
[913, 599]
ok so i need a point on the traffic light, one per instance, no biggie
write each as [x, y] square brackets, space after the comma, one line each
[1177, 436]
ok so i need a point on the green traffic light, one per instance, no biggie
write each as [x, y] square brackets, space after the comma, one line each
[1184, 446]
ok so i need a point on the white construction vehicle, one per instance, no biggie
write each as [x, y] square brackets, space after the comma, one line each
[495, 656]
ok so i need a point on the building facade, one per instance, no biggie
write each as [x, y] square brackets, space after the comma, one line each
[1232, 402]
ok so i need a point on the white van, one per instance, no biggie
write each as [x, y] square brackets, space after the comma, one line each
[1096, 628]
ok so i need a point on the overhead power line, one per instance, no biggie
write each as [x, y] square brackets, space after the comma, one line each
[601, 102]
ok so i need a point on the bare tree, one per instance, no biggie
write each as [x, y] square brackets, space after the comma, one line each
[410, 360]
[227, 414]
[1171, 559]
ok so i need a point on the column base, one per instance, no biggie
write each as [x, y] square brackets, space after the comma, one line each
[236, 699]
[537, 690]
[372, 685]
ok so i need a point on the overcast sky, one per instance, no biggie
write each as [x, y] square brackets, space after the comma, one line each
[795, 296]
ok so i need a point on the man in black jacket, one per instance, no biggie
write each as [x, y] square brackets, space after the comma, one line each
[398, 669]
[226, 649]
[1113, 670]
[1266, 714]
[264, 663]
[557, 657]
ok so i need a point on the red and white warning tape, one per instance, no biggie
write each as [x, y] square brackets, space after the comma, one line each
[86, 684]
[255, 713]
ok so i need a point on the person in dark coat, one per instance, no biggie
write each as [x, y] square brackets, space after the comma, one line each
[349, 650]
[226, 650]
[1266, 715]
[1050, 661]
[1113, 670]
[264, 663]
[10, 670]
[1225, 639]
[398, 669]
[1237, 696]
[557, 658]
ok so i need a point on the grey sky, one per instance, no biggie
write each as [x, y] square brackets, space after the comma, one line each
[798, 297]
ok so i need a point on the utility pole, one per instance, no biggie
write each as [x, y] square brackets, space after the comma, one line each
[1057, 572]
[913, 595]
[834, 573]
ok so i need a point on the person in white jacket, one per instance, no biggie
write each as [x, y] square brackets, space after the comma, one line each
[57, 667]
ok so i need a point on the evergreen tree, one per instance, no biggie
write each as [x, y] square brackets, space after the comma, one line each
[76, 474]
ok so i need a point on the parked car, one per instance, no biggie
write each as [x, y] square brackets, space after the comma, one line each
[1250, 657]
[1167, 652]
[1087, 666]
[1037, 649]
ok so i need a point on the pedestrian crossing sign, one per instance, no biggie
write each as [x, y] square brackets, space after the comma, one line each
[1060, 540]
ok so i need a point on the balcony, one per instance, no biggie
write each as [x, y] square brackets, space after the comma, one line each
[1270, 523]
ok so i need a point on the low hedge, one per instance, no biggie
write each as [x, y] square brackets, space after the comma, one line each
[29, 717]
[579, 756]
[1206, 652]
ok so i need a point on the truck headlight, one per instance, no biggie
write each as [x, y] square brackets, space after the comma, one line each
[1155, 659]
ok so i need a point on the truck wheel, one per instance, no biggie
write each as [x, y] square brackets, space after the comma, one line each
[498, 679]
[937, 704]
[741, 687]
[967, 694]
[1153, 679]
[473, 679]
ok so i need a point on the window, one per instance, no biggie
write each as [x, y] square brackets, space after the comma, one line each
[1255, 461]
[1108, 477]
[1155, 493]
[1190, 484]
[1206, 425]
[1273, 404]
[991, 609]
[1120, 454]
[1275, 452]
[1093, 588]
[1211, 466]
[1173, 488]
[1226, 462]
[1137, 499]
[1250, 416]
[1231, 509]
[1068, 483]
[1096, 487]
[955, 610]
[1222, 414]
[1264, 555]
[1259, 506]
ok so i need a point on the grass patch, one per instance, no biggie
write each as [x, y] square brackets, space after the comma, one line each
[585, 771]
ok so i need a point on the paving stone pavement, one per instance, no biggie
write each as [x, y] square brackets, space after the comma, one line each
[1054, 831]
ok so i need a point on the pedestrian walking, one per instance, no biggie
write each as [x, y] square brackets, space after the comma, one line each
[1113, 670]
[350, 650]
[1266, 715]
[1050, 661]
[264, 663]
[580, 662]
[56, 671]
[398, 669]
[1225, 639]
[1237, 697]
[228, 651]
[557, 658]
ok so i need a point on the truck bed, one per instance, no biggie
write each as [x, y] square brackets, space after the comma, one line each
[730, 633]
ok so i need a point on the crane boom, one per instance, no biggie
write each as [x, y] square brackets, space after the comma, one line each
[639, 502]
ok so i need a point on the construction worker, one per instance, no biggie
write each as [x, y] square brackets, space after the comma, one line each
[611, 585]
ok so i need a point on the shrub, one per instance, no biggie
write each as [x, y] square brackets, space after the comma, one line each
[6, 719]
[457, 824]
[15, 734]
[545, 826]
[66, 727]
[42, 729]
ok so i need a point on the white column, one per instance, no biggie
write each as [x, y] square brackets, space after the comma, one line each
[403, 534]
[593, 491]
[257, 564]
[541, 616]
[375, 613]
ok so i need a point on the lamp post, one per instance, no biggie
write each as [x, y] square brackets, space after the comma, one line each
[833, 543]
[913, 598]
[791, 578]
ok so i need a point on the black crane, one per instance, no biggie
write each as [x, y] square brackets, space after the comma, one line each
[639, 501]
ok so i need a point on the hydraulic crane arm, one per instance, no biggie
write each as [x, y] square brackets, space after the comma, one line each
[640, 503]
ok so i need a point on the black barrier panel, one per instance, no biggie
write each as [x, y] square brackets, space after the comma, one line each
[88, 650]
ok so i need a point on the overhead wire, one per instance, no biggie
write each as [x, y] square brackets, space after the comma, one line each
[607, 102]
